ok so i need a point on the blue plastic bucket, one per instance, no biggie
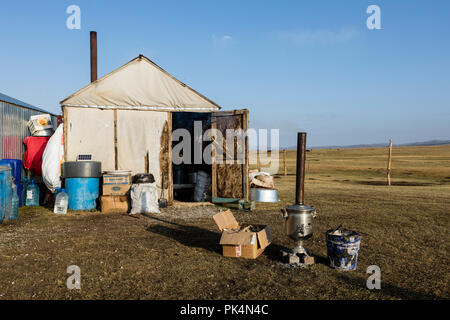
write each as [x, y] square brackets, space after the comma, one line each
[342, 248]
[83, 193]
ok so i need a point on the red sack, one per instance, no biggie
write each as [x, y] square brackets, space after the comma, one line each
[32, 157]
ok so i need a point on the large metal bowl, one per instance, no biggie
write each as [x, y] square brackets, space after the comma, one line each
[44, 133]
[263, 195]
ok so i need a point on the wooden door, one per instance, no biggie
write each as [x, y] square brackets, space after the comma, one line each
[230, 162]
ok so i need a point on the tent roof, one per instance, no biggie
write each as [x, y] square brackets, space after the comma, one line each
[140, 84]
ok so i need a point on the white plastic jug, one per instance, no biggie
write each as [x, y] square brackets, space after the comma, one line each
[61, 202]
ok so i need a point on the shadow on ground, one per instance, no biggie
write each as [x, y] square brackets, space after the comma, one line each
[189, 236]
[273, 252]
[386, 288]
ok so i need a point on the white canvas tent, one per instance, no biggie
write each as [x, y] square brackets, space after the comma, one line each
[127, 114]
[141, 85]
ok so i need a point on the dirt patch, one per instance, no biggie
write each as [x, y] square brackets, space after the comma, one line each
[189, 211]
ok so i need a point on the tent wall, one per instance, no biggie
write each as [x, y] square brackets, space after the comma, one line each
[139, 132]
[120, 139]
[90, 131]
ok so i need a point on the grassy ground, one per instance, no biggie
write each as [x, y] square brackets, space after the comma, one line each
[175, 255]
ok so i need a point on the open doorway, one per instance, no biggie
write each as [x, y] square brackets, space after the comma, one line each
[193, 168]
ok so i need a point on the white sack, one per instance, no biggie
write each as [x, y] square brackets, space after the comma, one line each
[261, 179]
[52, 159]
[144, 198]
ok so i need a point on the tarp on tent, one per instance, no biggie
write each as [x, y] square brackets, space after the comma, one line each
[143, 85]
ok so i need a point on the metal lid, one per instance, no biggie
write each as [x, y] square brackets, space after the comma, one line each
[301, 208]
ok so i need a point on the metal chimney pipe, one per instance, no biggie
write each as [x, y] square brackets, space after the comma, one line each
[93, 56]
[300, 178]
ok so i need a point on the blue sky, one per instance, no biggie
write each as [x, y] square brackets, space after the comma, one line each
[296, 65]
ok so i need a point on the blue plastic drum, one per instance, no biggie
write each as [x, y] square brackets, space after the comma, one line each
[16, 172]
[5, 192]
[83, 193]
[342, 248]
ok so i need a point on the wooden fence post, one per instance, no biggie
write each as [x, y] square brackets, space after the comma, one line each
[389, 163]
[258, 164]
[284, 160]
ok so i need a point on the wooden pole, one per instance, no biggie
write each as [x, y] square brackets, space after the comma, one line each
[258, 164]
[389, 163]
[284, 160]
[116, 148]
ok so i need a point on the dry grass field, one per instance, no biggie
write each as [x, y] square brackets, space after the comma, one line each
[176, 255]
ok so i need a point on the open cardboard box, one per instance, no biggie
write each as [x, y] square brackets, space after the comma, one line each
[246, 241]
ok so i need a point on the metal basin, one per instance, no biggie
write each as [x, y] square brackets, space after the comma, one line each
[263, 195]
[44, 133]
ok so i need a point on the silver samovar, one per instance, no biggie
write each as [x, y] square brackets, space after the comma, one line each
[299, 216]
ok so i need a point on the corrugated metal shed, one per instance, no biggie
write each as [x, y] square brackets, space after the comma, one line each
[14, 115]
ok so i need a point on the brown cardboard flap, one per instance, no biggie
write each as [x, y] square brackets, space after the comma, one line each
[235, 238]
[264, 237]
[225, 220]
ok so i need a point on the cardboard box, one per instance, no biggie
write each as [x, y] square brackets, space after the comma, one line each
[39, 122]
[114, 204]
[116, 189]
[245, 241]
[116, 184]
[117, 179]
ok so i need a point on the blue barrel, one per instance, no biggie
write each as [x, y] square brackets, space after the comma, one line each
[16, 172]
[83, 193]
[5, 191]
[342, 248]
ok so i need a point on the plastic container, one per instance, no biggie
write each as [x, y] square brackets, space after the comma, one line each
[201, 187]
[20, 193]
[16, 173]
[81, 169]
[342, 248]
[83, 193]
[14, 203]
[39, 122]
[61, 202]
[32, 195]
[23, 188]
[5, 192]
